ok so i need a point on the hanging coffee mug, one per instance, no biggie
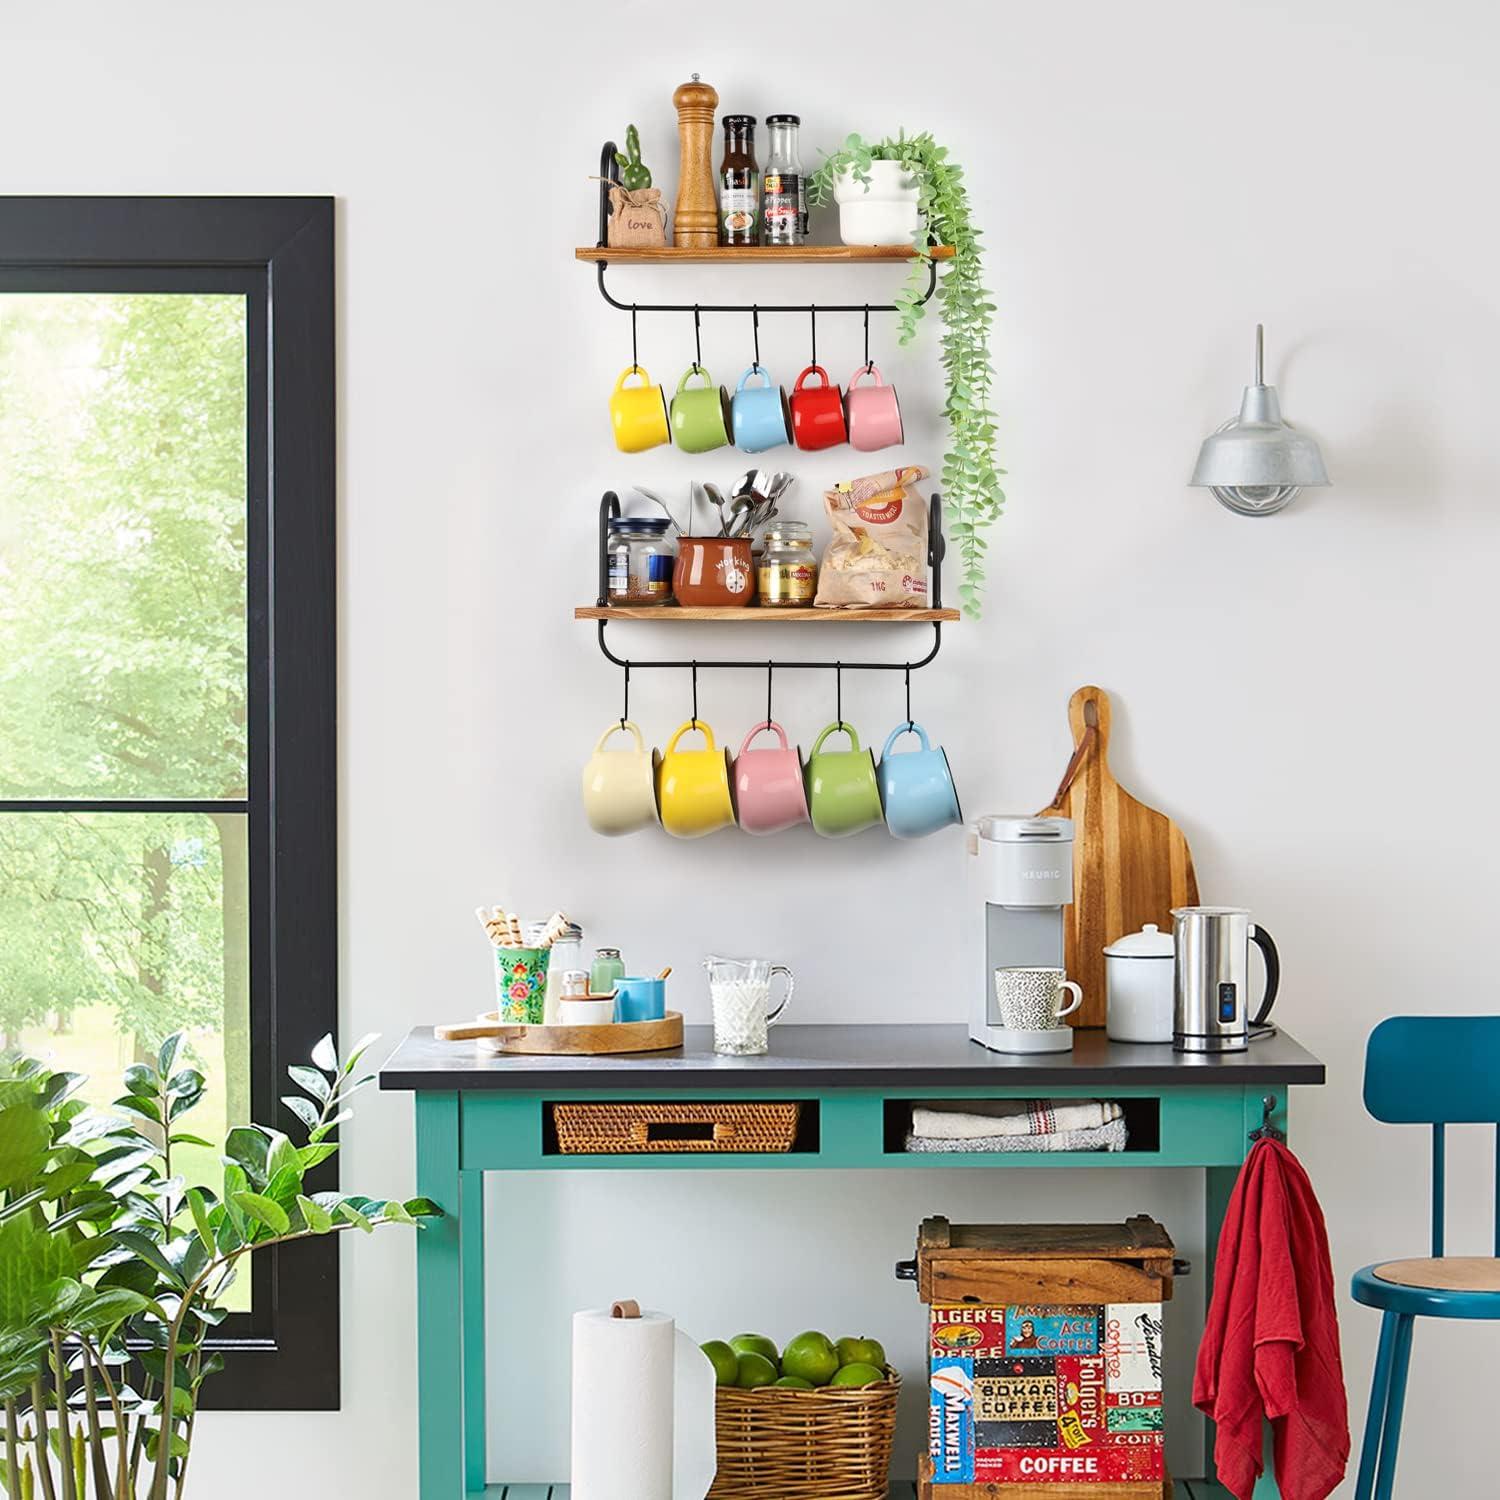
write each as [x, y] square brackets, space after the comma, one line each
[873, 412]
[619, 786]
[842, 794]
[916, 787]
[768, 788]
[817, 412]
[760, 414]
[639, 413]
[692, 786]
[700, 417]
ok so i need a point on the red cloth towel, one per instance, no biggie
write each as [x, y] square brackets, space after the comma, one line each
[1271, 1345]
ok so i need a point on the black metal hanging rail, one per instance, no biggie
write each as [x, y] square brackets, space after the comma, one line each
[609, 175]
[937, 546]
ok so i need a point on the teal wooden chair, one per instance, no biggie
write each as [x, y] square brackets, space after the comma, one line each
[1438, 1071]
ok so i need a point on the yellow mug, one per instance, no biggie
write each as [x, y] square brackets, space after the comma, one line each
[639, 413]
[692, 786]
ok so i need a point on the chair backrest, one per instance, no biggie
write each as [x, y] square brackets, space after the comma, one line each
[1438, 1071]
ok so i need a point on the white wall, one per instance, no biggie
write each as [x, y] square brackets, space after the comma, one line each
[1308, 695]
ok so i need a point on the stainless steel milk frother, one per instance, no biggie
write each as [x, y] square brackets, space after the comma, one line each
[1211, 979]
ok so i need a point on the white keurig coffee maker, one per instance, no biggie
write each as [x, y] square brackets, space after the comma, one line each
[1024, 870]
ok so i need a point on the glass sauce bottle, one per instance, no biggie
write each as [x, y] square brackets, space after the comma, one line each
[783, 219]
[739, 184]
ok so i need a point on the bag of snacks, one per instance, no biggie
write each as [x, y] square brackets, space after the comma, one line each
[878, 556]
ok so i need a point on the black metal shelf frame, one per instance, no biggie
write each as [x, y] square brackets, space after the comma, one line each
[937, 546]
[609, 175]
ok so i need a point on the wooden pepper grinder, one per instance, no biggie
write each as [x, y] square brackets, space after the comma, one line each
[696, 224]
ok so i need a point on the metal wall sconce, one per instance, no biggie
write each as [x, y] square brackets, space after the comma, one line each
[1256, 462]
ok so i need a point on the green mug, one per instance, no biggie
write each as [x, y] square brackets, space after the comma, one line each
[843, 794]
[700, 417]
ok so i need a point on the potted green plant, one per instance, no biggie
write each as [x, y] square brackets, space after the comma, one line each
[970, 475]
[115, 1272]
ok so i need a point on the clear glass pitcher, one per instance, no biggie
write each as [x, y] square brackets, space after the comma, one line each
[740, 989]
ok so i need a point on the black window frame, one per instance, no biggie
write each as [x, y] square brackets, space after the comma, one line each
[279, 252]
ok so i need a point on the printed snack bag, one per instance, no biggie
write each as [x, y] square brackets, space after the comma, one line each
[878, 555]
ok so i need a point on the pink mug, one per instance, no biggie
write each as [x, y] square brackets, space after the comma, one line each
[768, 785]
[872, 411]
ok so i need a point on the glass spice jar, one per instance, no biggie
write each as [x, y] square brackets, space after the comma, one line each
[640, 561]
[788, 569]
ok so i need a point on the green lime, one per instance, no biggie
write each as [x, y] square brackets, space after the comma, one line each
[755, 1371]
[756, 1343]
[725, 1361]
[794, 1383]
[857, 1375]
[812, 1356]
[861, 1352]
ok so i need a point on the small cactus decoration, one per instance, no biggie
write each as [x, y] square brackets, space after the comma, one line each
[634, 173]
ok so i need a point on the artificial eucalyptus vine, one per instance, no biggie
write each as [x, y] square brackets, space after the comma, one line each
[971, 478]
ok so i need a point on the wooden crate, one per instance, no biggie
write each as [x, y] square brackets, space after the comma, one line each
[1017, 1263]
[1104, 1490]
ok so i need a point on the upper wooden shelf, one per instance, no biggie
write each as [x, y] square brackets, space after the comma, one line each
[688, 255]
[751, 614]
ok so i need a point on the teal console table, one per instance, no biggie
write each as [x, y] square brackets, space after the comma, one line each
[478, 1114]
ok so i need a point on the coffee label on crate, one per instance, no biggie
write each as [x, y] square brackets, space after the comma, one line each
[1040, 1330]
[1132, 1347]
[967, 1330]
[1015, 1403]
[1080, 1401]
[950, 1419]
[1059, 1466]
[1122, 1419]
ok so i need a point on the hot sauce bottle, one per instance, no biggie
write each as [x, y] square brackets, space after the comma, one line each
[783, 188]
[739, 184]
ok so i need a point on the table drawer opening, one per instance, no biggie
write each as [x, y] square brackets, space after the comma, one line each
[654, 1127]
[1049, 1125]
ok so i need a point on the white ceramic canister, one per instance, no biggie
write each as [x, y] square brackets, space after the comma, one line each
[1138, 971]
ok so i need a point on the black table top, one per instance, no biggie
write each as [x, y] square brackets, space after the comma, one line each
[849, 1056]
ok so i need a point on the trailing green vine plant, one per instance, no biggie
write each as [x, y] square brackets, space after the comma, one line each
[971, 478]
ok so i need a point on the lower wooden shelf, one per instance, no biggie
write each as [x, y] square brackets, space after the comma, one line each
[752, 615]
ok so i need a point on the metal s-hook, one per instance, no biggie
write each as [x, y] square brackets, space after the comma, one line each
[625, 710]
[770, 670]
[812, 314]
[755, 329]
[868, 365]
[838, 695]
[635, 363]
[909, 724]
[695, 695]
[697, 340]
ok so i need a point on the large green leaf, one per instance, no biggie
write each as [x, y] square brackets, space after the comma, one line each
[266, 1210]
[25, 1135]
[32, 1260]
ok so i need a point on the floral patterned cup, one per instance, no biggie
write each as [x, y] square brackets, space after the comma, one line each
[521, 985]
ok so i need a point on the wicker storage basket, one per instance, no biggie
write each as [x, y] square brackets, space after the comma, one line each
[831, 1444]
[616, 1129]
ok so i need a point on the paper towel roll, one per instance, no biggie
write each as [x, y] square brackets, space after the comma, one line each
[643, 1409]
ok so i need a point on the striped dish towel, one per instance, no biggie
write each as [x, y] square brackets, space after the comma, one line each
[985, 1118]
[1110, 1137]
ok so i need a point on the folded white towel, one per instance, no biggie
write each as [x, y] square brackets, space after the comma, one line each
[992, 1117]
[1110, 1137]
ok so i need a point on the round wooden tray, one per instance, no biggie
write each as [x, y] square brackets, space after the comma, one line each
[614, 1036]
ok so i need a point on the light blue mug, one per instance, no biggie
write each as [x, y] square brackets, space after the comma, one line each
[759, 413]
[916, 787]
[640, 999]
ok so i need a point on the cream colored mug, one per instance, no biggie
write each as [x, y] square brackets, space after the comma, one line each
[619, 786]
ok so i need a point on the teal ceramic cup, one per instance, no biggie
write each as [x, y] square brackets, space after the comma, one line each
[700, 416]
[640, 999]
[916, 787]
[760, 414]
[842, 794]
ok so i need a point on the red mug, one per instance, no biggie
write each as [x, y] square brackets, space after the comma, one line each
[817, 412]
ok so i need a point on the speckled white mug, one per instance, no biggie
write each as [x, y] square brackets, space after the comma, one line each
[1031, 999]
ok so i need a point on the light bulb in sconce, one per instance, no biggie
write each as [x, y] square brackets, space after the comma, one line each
[1256, 462]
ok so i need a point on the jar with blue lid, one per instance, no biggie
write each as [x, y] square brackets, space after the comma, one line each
[641, 556]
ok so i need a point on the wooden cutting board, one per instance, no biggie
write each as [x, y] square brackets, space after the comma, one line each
[1131, 863]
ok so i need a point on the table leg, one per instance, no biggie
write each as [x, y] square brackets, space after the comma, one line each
[471, 1191]
[440, 1370]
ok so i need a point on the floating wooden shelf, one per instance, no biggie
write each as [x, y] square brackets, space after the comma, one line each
[689, 255]
[751, 615]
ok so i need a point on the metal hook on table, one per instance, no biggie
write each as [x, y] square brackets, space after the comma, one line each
[1267, 1131]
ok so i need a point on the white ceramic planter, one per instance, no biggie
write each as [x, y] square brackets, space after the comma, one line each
[886, 214]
